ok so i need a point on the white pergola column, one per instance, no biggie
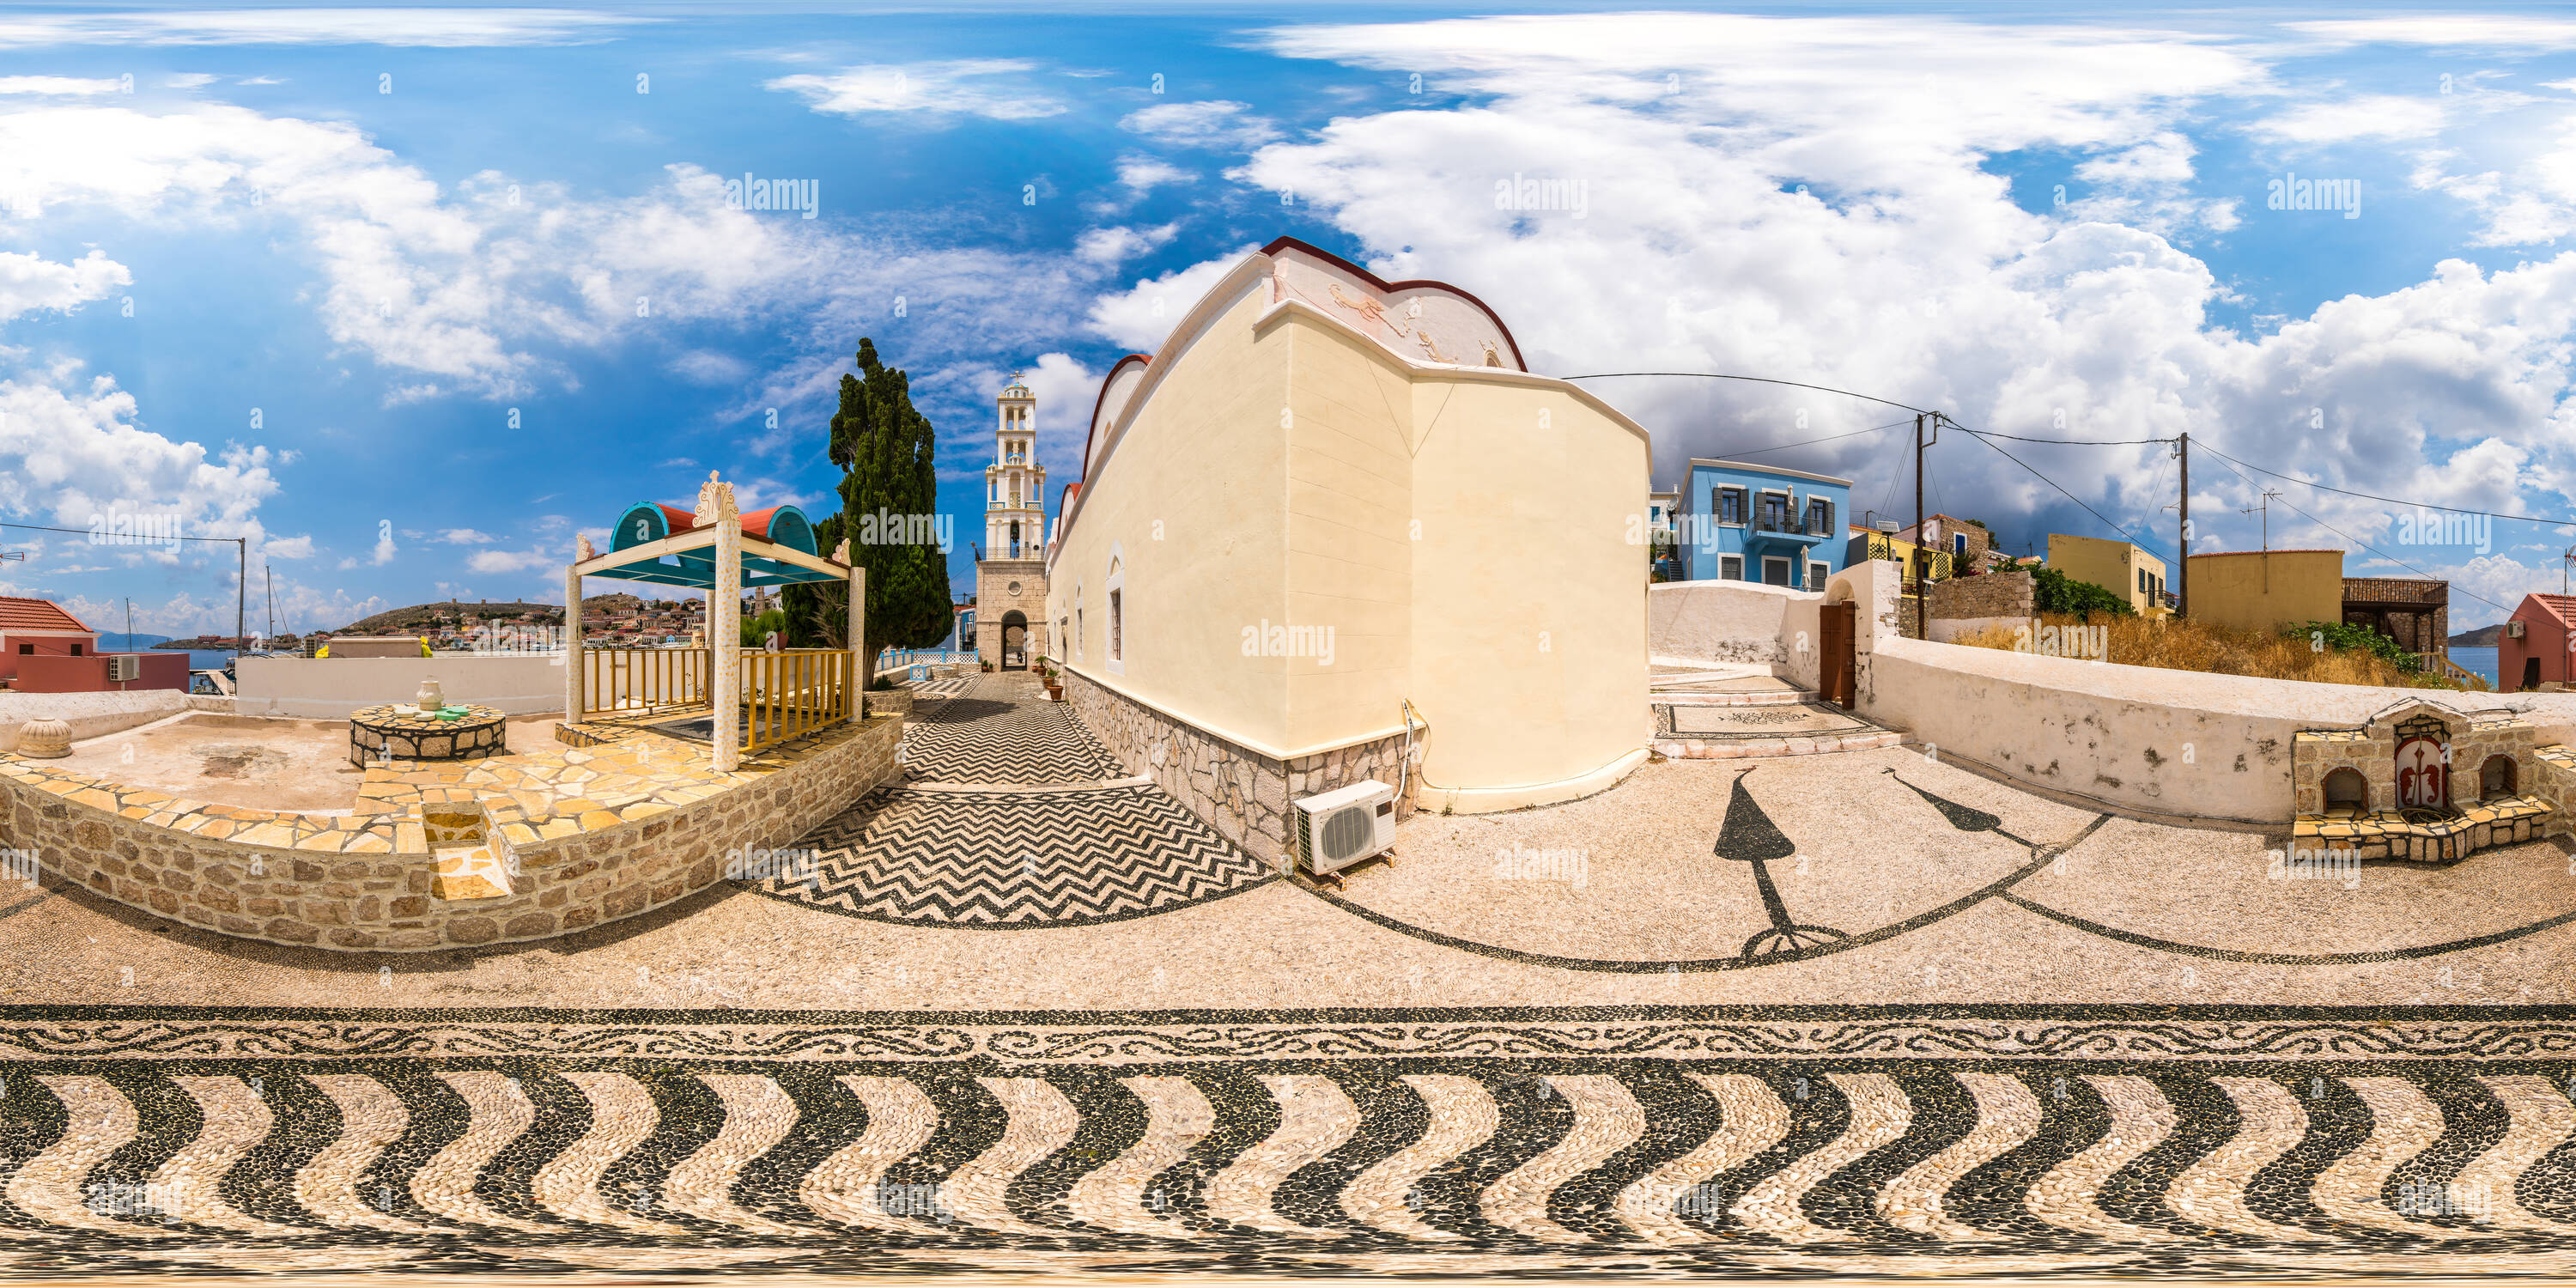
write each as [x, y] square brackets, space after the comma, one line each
[572, 634]
[724, 621]
[858, 634]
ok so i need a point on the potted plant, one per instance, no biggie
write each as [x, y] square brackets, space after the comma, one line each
[1054, 683]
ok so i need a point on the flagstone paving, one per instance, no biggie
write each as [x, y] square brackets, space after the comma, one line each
[1858, 1013]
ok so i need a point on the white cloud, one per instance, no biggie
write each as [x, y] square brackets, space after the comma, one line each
[2452, 31]
[677, 463]
[709, 367]
[1142, 315]
[1110, 247]
[2363, 116]
[1761, 200]
[465, 537]
[1144, 174]
[438, 28]
[28, 283]
[1214, 123]
[72, 449]
[500, 561]
[287, 548]
[191, 80]
[988, 87]
[60, 85]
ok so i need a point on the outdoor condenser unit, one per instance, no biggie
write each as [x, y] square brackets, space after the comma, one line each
[1344, 826]
[124, 666]
[2514, 630]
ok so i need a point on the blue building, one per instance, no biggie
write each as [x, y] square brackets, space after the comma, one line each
[1743, 522]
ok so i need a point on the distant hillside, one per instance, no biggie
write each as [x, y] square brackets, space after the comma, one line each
[120, 642]
[421, 618]
[2482, 637]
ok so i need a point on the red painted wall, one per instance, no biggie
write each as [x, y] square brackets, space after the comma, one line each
[45, 646]
[2542, 638]
[61, 673]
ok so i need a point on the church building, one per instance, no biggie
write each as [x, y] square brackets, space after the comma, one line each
[1010, 575]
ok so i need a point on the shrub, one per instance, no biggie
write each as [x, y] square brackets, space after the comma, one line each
[2055, 592]
[2344, 637]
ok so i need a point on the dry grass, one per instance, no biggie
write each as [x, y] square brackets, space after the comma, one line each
[2218, 650]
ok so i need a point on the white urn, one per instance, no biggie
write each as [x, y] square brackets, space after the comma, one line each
[430, 697]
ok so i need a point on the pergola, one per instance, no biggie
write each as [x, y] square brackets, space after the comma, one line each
[721, 551]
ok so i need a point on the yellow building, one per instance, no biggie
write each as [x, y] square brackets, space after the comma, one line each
[2116, 566]
[2262, 591]
[1332, 500]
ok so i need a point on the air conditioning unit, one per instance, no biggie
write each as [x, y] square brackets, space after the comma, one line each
[1344, 826]
[2514, 630]
[124, 666]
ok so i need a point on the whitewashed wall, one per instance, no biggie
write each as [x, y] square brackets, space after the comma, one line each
[329, 688]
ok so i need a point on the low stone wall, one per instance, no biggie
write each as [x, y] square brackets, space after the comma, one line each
[362, 883]
[329, 688]
[1241, 793]
[1994, 594]
[90, 715]
[2176, 742]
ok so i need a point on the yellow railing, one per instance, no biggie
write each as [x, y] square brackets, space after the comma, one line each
[642, 681]
[793, 692]
[2441, 664]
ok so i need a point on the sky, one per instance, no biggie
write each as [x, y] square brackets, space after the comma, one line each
[410, 297]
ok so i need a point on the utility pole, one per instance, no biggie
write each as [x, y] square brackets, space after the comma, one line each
[2266, 512]
[1922, 593]
[241, 591]
[2182, 601]
[129, 626]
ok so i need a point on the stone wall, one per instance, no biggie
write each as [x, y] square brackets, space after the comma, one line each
[993, 598]
[1995, 594]
[1241, 793]
[2416, 633]
[365, 883]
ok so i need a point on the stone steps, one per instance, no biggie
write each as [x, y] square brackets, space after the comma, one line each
[1730, 731]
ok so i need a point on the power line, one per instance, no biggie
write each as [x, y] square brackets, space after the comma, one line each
[1832, 438]
[83, 532]
[2231, 468]
[2390, 500]
[1759, 380]
[2106, 519]
[2070, 442]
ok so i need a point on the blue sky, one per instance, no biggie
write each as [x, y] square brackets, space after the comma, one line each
[294, 272]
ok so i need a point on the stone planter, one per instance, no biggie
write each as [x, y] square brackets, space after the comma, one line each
[45, 739]
[896, 702]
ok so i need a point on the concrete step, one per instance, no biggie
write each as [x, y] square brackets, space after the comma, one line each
[1701, 731]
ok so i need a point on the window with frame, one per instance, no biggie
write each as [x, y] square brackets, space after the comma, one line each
[1115, 625]
[1730, 567]
[1730, 505]
[1816, 575]
[1959, 545]
[1775, 511]
[1820, 517]
[1116, 588]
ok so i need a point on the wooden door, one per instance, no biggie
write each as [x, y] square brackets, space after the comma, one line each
[1839, 667]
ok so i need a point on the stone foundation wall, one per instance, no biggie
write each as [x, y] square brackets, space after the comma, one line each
[371, 890]
[1995, 594]
[1240, 792]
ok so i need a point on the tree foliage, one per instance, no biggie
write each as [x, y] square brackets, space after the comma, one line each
[2055, 592]
[886, 451]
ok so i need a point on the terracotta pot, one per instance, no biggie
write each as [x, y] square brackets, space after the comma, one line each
[44, 740]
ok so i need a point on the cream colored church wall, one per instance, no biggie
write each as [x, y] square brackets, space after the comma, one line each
[1203, 459]
[1529, 603]
[1350, 563]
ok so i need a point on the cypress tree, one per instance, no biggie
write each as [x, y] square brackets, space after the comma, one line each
[886, 451]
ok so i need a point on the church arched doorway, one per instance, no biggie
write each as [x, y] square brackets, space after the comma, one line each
[1015, 641]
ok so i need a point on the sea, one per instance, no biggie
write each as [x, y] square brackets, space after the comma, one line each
[2482, 661]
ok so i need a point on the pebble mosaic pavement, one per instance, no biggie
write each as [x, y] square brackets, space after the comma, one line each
[1899, 1138]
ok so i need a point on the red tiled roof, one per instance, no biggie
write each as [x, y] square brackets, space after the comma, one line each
[2562, 607]
[36, 615]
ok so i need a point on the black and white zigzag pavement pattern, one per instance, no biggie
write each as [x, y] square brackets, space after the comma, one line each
[1015, 860]
[1617, 1163]
[999, 731]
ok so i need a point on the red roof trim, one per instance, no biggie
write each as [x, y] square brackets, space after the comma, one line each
[1406, 285]
[1101, 400]
[32, 614]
